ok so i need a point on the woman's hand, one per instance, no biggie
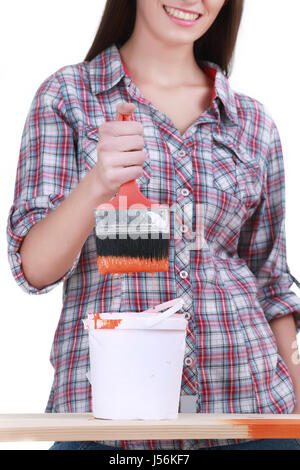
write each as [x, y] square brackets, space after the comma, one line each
[120, 151]
[285, 332]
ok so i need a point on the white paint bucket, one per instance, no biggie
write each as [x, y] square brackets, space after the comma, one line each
[136, 362]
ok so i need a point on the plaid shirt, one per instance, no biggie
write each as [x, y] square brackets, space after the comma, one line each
[229, 164]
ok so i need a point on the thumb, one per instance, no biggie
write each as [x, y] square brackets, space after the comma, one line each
[125, 108]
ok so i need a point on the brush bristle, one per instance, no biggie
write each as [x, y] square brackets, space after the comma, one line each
[139, 238]
[139, 248]
[122, 264]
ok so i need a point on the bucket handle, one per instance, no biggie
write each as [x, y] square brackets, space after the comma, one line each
[175, 305]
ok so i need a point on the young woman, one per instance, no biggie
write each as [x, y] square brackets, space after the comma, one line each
[215, 157]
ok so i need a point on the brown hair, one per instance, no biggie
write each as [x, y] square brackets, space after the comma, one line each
[216, 45]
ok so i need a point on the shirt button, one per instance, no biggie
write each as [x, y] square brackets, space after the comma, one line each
[185, 192]
[188, 361]
[183, 274]
[181, 153]
[184, 228]
[187, 315]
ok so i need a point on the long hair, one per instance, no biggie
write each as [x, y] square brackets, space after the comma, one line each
[216, 45]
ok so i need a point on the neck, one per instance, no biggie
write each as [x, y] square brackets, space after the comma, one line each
[166, 65]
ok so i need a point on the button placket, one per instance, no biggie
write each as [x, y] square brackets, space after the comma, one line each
[184, 289]
[183, 218]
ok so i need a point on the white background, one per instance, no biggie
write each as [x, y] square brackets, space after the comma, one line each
[36, 40]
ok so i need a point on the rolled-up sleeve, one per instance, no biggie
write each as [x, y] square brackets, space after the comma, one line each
[46, 173]
[262, 241]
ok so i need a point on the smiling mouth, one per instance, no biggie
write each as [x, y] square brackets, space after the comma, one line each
[181, 15]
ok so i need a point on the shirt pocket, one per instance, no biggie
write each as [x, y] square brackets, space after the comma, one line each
[235, 171]
[89, 157]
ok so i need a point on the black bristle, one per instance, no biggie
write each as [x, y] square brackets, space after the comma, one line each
[150, 248]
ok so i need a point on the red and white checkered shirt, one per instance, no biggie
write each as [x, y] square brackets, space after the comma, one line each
[227, 166]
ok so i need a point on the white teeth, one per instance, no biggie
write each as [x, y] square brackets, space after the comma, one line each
[180, 14]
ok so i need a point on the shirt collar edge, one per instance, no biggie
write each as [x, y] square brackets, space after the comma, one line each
[106, 70]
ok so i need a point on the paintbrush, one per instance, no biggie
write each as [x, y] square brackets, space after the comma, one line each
[132, 232]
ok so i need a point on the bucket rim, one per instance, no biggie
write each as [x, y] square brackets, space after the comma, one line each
[147, 319]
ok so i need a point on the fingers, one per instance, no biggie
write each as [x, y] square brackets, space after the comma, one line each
[120, 149]
[115, 177]
[124, 143]
[129, 173]
[134, 159]
[120, 128]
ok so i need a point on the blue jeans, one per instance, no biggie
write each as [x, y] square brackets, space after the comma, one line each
[255, 444]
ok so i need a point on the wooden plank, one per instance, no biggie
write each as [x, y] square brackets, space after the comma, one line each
[83, 427]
